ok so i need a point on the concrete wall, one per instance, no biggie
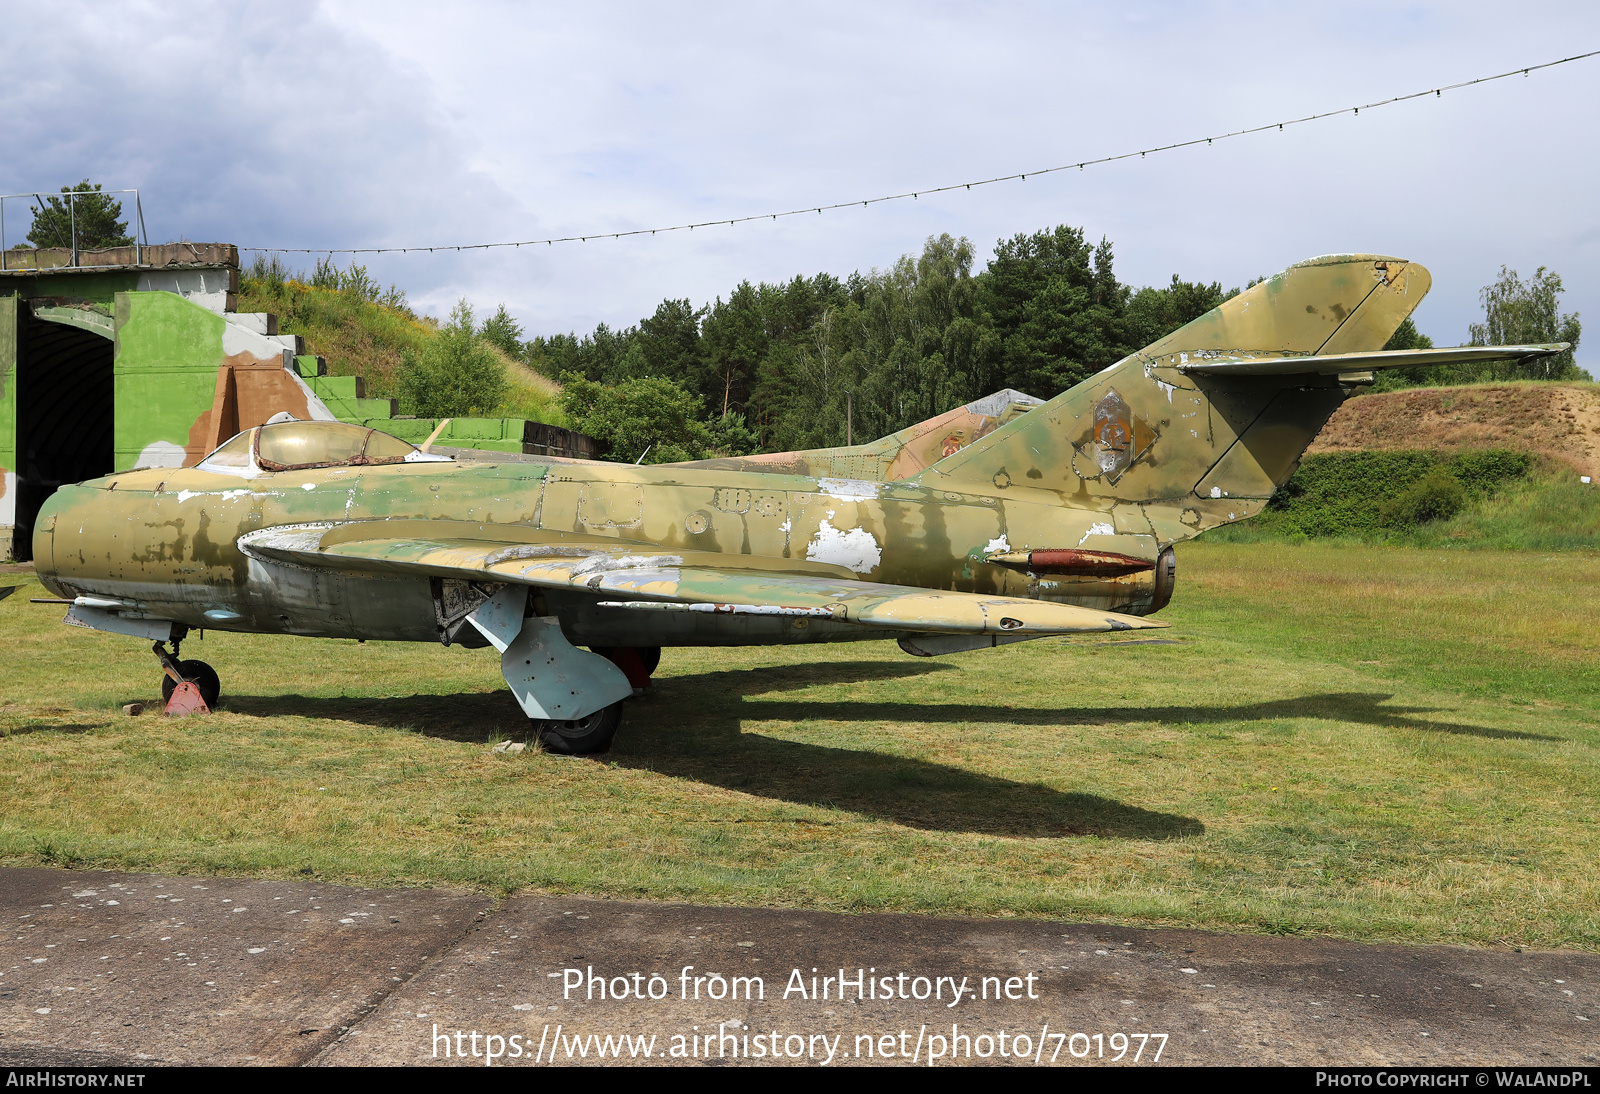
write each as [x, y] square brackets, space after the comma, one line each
[9, 318]
[187, 379]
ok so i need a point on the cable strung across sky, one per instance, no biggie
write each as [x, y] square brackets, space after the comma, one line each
[1020, 176]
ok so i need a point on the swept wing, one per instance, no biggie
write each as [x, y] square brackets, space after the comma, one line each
[643, 577]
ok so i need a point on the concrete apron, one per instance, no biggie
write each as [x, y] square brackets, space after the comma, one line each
[127, 969]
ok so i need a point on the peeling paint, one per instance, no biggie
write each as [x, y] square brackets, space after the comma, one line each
[849, 489]
[161, 454]
[856, 549]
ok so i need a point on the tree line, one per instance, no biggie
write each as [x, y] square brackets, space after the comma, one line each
[818, 360]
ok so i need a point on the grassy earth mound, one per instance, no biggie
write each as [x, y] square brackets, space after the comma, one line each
[361, 336]
[1499, 466]
[1560, 422]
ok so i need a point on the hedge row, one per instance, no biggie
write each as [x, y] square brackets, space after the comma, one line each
[1350, 493]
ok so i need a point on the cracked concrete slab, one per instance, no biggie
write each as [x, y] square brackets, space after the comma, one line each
[105, 969]
[1220, 999]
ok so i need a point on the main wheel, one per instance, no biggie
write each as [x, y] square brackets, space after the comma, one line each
[584, 736]
[201, 675]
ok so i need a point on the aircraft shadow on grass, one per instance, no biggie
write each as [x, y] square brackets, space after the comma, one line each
[51, 727]
[693, 729]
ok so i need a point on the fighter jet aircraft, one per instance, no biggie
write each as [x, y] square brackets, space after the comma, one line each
[1054, 520]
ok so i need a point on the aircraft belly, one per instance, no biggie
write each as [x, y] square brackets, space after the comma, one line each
[289, 599]
[586, 624]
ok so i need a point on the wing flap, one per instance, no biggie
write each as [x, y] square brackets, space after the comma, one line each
[687, 580]
[1335, 363]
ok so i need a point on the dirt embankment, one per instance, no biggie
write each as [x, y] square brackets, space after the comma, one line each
[1559, 421]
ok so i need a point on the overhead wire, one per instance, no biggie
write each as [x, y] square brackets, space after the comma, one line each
[1022, 176]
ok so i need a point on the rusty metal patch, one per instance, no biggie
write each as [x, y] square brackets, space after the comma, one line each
[1088, 563]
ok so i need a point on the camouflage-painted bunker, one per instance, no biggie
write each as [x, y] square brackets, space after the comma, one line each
[141, 360]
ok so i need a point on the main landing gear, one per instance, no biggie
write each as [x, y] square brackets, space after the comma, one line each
[187, 687]
[593, 733]
[584, 736]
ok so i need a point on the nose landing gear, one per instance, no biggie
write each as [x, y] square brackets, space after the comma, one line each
[187, 687]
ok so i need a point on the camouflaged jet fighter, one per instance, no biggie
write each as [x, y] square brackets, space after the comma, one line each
[1010, 525]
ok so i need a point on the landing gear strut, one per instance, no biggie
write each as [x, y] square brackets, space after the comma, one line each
[187, 687]
[573, 698]
[637, 663]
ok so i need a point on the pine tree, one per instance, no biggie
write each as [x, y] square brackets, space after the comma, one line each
[94, 216]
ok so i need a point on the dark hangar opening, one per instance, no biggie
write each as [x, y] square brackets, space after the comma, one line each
[65, 415]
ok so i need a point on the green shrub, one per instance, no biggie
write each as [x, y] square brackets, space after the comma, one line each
[647, 419]
[1484, 472]
[1438, 495]
[1361, 493]
[458, 375]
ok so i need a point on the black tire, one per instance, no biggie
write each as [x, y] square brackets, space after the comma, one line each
[583, 737]
[650, 656]
[201, 675]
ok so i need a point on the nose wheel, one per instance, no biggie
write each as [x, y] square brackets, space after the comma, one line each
[187, 687]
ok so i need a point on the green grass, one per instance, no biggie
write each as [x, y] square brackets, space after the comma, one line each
[1361, 742]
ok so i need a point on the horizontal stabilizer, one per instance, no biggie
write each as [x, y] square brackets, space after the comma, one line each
[1336, 363]
[679, 580]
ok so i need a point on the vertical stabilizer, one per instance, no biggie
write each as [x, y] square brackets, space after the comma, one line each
[1175, 452]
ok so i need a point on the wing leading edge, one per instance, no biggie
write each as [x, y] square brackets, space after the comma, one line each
[644, 577]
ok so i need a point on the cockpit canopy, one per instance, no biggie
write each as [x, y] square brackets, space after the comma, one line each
[300, 446]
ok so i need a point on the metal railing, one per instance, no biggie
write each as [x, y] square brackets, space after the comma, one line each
[140, 239]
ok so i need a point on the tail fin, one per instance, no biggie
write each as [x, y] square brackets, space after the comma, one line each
[1175, 451]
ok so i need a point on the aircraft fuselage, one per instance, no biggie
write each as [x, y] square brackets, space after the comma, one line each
[166, 541]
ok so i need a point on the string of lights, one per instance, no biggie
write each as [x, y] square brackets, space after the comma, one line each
[1021, 176]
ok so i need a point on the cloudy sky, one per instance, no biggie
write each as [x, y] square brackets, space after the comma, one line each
[355, 124]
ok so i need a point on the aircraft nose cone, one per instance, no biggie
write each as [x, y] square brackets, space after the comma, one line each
[44, 536]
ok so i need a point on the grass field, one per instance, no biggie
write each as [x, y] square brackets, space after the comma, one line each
[1364, 742]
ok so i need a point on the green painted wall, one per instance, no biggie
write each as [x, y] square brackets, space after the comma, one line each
[167, 356]
[101, 288]
[487, 434]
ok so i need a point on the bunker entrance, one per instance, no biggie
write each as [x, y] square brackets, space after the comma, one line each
[65, 416]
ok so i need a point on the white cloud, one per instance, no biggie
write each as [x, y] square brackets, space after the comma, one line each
[403, 123]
